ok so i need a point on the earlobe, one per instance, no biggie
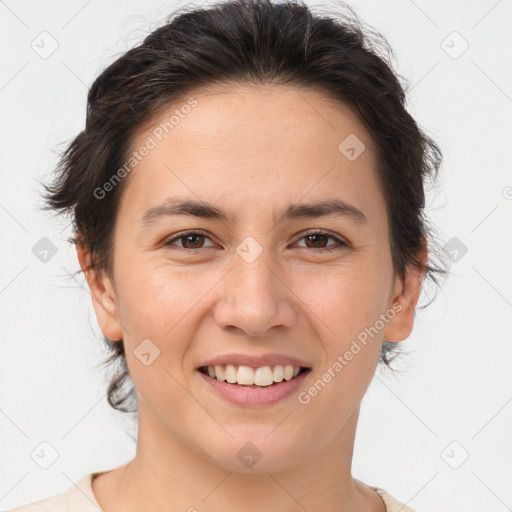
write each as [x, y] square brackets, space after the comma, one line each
[103, 296]
[403, 305]
[406, 295]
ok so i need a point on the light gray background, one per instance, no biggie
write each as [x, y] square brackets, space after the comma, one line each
[454, 396]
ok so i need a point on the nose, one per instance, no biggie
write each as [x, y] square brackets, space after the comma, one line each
[256, 297]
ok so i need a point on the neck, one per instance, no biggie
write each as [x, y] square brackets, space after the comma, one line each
[166, 472]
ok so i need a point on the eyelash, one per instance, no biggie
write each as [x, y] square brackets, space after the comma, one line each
[341, 243]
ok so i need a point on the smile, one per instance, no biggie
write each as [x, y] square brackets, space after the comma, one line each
[248, 376]
[266, 394]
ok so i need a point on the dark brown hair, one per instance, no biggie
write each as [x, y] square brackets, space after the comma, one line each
[246, 42]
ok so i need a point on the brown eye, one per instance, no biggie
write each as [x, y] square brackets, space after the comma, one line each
[195, 241]
[318, 240]
[191, 240]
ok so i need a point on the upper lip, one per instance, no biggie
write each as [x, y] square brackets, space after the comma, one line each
[254, 361]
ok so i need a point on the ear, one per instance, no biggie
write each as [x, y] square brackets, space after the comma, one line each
[405, 297]
[103, 296]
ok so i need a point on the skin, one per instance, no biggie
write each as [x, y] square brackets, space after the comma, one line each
[251, 151]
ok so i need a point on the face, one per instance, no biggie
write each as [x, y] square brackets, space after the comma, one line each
[263, 280]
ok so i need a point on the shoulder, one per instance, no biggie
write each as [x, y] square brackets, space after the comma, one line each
[77, 498]
[392, 505]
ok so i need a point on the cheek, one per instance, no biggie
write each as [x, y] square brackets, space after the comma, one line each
[347, 307]
[352, 349]
[157, 297]
[346, 300]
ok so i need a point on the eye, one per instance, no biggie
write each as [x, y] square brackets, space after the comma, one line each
[319, 237]
[192, 240]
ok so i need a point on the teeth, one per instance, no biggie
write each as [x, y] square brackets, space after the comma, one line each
[230, 373]
[263, 376]
[219, 373]
[288, 372]
[245, 375]
[278, 373]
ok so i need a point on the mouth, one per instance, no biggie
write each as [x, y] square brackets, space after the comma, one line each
[255, 378]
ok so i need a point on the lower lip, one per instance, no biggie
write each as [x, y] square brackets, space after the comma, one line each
[253, 397]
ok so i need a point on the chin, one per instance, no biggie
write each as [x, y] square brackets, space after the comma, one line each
[258, 453]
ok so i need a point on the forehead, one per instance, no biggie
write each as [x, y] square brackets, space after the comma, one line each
[248, 147]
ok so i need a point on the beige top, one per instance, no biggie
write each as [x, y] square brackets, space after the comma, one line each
[80, 498]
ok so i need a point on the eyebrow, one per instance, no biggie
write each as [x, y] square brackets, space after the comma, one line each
[176, 206]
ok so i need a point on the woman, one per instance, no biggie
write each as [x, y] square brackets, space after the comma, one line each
[247, 198]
